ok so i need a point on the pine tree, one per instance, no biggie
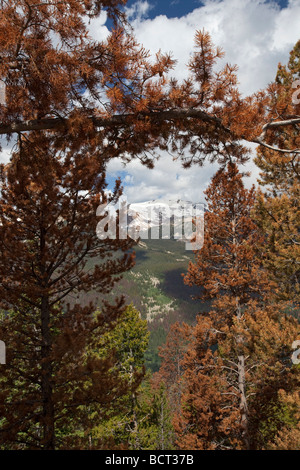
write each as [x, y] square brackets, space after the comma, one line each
[171, 371]
[127, 341]
[58, 78]
[288, 438]
[49, 251]
[163, 416]
[277, 210]
[235, 354]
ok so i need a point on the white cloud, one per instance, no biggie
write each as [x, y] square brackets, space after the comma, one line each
[286, 31]
[6, 150]
[254, 34]
[168, 180]
[97, 28]
[138, 10]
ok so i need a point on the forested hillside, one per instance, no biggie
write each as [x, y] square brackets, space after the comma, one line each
[155, 286]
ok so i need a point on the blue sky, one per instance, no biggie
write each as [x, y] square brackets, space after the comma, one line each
[175, 8]
[179, 8]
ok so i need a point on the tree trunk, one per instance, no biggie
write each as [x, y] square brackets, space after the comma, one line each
[244, 419]
[241, 358]
[243, 402]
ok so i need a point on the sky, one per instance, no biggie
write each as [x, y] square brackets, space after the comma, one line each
[179, 8]
[255, 34]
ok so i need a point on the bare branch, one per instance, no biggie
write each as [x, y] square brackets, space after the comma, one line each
[122, 120]
[277, 124]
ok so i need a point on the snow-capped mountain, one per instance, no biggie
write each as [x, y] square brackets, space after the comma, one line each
[181, 220]
[165, 215]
